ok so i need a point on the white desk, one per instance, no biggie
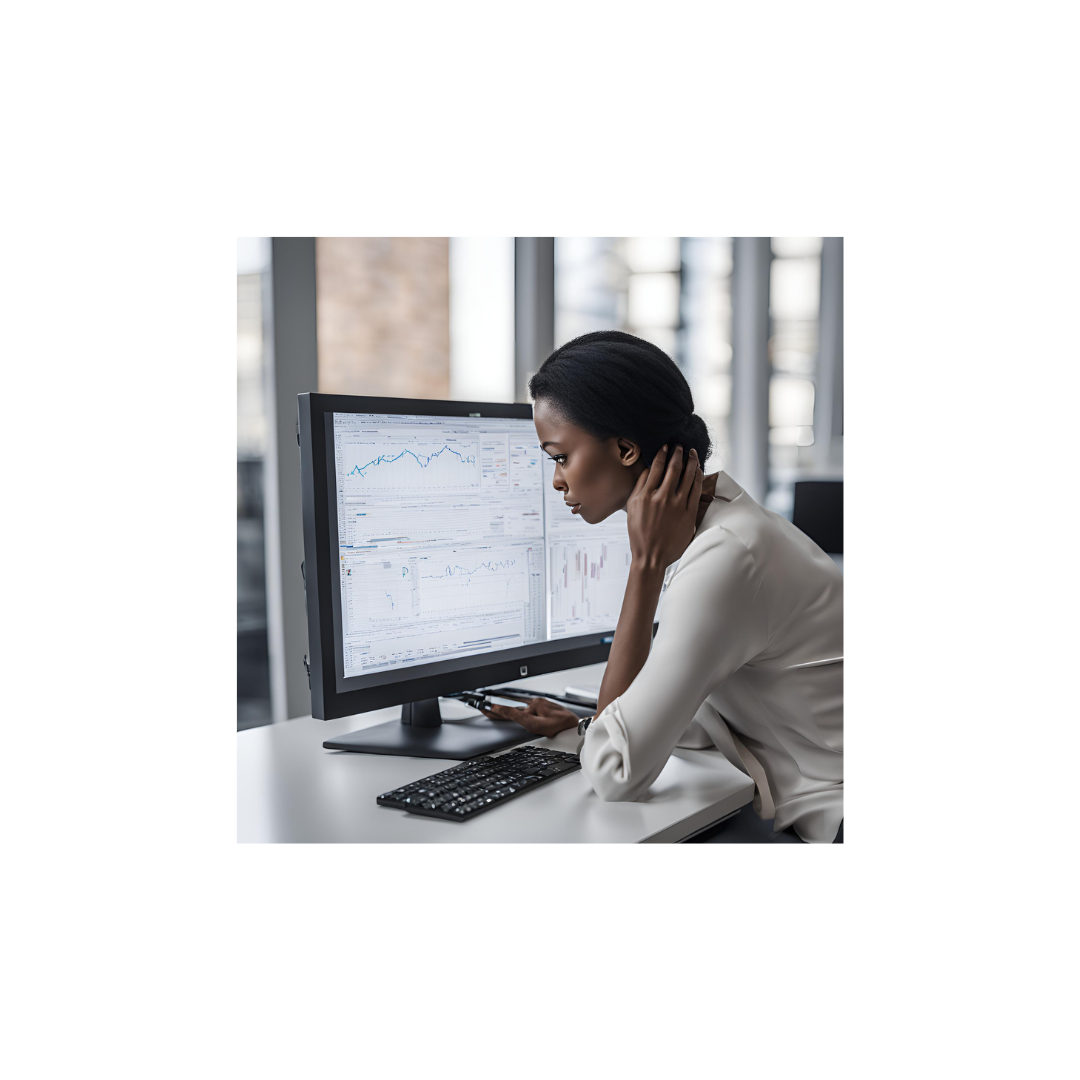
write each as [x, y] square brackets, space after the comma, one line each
[291, 790]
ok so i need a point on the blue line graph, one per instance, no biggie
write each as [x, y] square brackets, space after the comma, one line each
[441, 467]
[424, 463]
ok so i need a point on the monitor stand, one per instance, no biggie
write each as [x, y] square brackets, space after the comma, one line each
[422, 732]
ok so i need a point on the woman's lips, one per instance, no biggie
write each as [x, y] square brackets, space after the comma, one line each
[575, 507]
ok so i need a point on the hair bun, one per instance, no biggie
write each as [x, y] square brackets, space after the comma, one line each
[696, 434]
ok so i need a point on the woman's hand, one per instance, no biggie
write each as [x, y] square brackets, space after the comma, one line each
[540, 716]
[662, 511]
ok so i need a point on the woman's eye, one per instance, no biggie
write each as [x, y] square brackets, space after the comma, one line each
[559, 459]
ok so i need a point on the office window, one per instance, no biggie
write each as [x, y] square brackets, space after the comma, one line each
[252, 662]
[794, 301]
[673, 291]
[706, 336]
[482, 318]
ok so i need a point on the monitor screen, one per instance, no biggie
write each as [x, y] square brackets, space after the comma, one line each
[452, 542]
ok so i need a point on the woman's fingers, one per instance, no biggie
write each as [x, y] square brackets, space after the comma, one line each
[671, 477]
[668, 481]
[500, 712]
[670, 467]
[688, 477]
[656, 469]
[509, 712]
[690, 485]
[695, 488]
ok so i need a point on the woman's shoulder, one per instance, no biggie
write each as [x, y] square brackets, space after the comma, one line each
[720, 549]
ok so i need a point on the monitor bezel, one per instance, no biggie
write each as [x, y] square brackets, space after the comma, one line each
[333, 696]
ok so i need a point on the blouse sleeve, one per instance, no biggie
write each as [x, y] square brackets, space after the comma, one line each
[714, 621]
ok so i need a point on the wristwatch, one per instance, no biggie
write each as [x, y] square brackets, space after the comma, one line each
[583, 724]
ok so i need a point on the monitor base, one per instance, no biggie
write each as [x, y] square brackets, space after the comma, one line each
[458, 740]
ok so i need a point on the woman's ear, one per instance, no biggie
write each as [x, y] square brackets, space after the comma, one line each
[629, 452]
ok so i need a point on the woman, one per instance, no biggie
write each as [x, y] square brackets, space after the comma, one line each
[748, 656]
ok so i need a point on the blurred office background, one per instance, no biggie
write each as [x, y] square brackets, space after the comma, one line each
[755, 323]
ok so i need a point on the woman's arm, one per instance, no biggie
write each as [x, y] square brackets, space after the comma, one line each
[633, 634]
[715, 621]
[661, 518]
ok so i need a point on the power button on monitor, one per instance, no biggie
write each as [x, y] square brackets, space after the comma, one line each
[524, 669]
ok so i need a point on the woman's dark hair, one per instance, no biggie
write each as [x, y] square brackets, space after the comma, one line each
[613, 384]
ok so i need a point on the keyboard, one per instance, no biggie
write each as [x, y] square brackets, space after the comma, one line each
[469, 789]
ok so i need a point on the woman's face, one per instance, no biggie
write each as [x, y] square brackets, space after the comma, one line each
[595, 475]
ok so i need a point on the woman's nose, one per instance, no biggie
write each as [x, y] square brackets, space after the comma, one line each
[557, 482]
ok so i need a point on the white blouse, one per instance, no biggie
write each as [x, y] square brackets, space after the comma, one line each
[748, 657]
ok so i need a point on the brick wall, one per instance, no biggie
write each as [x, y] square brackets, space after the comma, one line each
[383, 315]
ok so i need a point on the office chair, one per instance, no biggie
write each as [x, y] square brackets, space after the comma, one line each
[819, 512]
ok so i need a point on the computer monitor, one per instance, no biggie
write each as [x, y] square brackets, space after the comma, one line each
[438, 559]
